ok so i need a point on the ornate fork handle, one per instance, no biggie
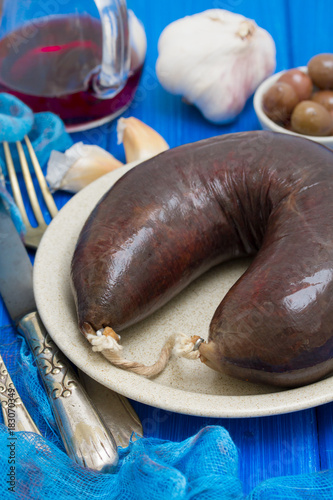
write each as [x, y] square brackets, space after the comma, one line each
[86, 438]
[15, 415]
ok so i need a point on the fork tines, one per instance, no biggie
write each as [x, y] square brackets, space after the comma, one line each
[33, 234]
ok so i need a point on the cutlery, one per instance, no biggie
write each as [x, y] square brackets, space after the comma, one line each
[115, 409]
[15, 415]
[86, 438]
[33, 235]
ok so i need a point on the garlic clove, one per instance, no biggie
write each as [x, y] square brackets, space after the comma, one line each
[78, 166]
[82, 173]
[219, 70]
[83, 163]
[140, 141]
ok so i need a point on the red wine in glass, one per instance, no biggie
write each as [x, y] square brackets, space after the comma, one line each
[51, 68]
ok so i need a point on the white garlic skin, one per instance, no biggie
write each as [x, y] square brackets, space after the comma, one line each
[138, 40]
[80, 165]
[215, 59]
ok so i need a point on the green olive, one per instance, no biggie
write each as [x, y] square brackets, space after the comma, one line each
[279, 101]
[301, 82]
[311, 118]
[320, 70]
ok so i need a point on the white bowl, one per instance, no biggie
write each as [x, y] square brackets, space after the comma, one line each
[268, 124]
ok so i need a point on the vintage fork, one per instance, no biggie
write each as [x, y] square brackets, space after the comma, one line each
[33, 234]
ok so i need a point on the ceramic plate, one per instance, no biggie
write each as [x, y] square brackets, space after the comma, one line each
[185, 386]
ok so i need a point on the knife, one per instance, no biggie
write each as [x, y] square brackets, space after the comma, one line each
[86, 438]
[117, 412]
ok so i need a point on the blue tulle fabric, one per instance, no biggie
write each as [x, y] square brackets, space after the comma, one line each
[16, 118]
[202, 467]
[46, 131]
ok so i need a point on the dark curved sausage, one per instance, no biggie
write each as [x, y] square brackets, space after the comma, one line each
[169, 220]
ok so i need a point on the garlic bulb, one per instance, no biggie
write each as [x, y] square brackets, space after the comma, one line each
[138, 40]
[140, 141]
[78, 166]
[215, 59]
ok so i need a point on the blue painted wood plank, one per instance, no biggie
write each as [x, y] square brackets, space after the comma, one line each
[310, 30]
[325, 435]
[4, 316]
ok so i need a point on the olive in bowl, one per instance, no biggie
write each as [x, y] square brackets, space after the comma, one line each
[285, 127]
[320, 69]
[311, 118]
[325, 98]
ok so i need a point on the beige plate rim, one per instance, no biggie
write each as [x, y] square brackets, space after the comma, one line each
[53, 298]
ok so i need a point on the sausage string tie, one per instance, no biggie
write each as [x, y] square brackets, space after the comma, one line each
[106, 341]
[188, 347]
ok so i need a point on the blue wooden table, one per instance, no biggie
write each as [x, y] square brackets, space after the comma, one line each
[287, 444]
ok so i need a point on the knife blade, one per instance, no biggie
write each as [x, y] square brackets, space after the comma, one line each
[86, 438]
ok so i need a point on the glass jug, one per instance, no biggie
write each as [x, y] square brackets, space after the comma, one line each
[76, 58]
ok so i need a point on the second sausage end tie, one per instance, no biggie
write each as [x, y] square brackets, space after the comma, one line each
[106, 341]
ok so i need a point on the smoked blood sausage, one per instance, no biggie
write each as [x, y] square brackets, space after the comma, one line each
[173, 217]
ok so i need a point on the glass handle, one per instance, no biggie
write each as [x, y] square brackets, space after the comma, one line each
[113, 73]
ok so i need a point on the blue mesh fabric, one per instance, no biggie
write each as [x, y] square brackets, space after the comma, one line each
[148, 469]
[47, 134]
[15, 117]
[21, 366]
[203, 467]
[317, 486]
[46, 131]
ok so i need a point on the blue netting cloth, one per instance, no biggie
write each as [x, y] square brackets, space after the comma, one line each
[203, 467]
[23, 371]
[148, 469]
[316, 486]
[15, 117]
[46, 131]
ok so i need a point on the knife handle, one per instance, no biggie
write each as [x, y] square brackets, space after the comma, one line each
[15, 415]
[86, 438]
